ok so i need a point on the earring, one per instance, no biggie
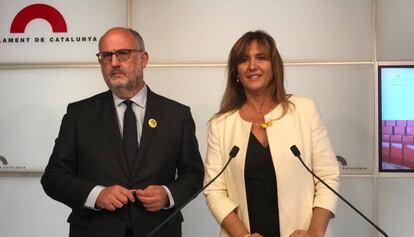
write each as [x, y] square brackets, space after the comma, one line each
[238, 79]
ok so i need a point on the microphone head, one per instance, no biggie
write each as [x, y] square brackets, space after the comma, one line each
[234, 151]
[295, 151]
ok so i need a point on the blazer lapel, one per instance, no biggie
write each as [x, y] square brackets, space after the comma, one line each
[107, 113]
[153, 113]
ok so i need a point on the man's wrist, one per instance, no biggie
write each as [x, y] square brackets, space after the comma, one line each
[90, 202]
[170, 202]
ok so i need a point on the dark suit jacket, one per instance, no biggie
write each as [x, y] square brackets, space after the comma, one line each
[89, 152]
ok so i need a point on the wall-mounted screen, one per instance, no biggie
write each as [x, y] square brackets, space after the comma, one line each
[396, 118]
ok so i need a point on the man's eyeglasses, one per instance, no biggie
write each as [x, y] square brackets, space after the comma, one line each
[121, 55]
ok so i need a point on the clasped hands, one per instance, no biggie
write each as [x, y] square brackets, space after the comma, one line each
[153, 197]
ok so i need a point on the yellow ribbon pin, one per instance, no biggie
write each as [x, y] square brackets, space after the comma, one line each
[152, 123]
[266, 124]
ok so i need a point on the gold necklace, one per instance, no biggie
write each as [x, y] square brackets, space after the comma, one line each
[264, 124]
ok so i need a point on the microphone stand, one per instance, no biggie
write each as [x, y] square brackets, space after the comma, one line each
[296, 153]
[232, 154]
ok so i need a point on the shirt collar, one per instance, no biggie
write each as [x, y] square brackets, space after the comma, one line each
[139, 99]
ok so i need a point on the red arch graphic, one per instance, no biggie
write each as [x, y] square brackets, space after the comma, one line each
[36, 11]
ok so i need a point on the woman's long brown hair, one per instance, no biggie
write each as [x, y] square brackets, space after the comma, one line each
[234, 95]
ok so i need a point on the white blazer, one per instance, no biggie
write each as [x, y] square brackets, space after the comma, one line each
[298, 192]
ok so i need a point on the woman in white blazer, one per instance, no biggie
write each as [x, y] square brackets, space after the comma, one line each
[265, 191]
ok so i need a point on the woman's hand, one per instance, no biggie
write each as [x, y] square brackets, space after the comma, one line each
[304, 233]
[256, 235]
[317, 227]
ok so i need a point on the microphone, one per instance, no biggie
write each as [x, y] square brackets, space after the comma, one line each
[296, 153]
[232, 154]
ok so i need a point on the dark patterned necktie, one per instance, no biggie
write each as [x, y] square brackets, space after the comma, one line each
[130, 137]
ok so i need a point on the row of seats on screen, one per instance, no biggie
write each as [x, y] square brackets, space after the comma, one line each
[398, 142]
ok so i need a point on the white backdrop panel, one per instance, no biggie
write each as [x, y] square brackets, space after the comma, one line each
[88, 18]
[360, 192]
[33, 104]
[395, 206]
[27, 211]
[200, 31]
[345, 96]
[200, 88]
[395, 31]
[22, 204]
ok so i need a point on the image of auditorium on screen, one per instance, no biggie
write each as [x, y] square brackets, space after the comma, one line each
[396, 112]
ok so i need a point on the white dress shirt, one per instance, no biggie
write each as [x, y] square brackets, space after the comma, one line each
[138, 106]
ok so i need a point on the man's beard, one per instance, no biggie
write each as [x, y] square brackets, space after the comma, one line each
[128, 85]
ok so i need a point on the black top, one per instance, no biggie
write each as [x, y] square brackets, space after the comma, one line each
[261, 189]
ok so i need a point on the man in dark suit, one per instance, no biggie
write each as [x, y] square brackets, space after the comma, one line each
[126, 158]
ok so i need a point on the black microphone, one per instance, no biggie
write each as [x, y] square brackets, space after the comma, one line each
[296, 153]
[232, 154]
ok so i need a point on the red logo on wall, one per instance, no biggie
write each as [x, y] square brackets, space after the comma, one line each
[53, 17]
[38, 11]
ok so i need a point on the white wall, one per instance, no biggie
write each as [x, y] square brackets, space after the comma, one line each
[331, 49]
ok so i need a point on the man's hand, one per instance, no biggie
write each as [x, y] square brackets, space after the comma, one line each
[113, 197]
[153, 197]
